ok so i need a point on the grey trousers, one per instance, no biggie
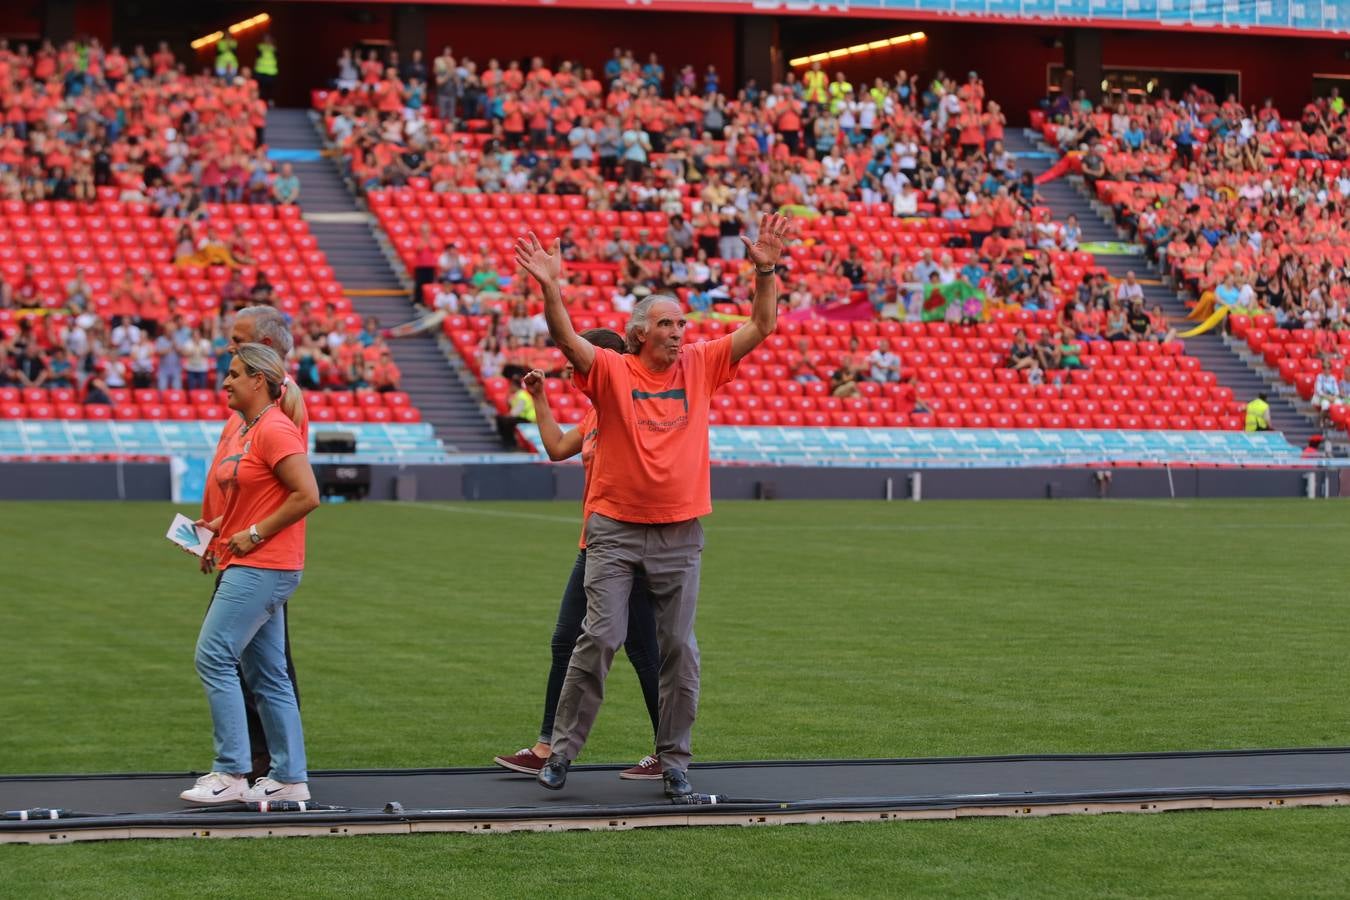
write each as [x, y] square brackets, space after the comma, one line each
[670, 556]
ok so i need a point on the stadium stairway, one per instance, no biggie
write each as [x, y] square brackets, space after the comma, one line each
[1066, 196]
[345, 233]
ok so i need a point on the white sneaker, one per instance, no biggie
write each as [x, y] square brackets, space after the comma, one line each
[216, 787]
[268, 790]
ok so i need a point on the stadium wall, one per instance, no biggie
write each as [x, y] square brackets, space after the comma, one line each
[529, 481]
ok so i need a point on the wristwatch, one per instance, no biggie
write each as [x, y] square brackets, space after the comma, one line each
[253, 534]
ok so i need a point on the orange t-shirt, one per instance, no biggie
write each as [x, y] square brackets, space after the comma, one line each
[651, 454]
[251, 492]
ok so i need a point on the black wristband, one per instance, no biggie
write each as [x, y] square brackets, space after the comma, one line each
[769, 271]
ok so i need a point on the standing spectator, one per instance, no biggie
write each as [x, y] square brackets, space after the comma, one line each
[265, 69]
[729, 225]
[142, 359]
[197, 359]
[636, 147]
[448, 87]
[424, 263]
[169, 360]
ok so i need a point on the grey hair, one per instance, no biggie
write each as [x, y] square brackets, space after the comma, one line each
[637, 325]
[260, 359]
[269, 325]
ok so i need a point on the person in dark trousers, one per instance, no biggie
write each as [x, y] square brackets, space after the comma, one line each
[640, 643]
[652, 486]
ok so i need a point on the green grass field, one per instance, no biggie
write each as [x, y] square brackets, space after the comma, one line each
[827, 630]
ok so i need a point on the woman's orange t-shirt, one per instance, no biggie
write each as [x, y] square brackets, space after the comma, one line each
[244, 475]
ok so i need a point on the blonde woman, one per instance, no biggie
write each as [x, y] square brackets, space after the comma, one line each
[266, 489]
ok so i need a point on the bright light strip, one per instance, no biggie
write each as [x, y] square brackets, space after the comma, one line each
[207, 41]
[259, 19]
[857, 48]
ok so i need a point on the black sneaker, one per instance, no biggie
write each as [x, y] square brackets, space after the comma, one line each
[677, 784]
[554, 773]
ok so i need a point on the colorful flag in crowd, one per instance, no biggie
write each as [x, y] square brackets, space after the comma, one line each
[938, 298]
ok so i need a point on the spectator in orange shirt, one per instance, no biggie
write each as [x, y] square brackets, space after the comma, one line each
[267, 488]
[385, 376]
[651, 486]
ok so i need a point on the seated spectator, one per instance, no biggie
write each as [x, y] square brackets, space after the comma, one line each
[884, 365]
[1117, 322]
[520, 411]
[385, 375]
[491, 360]
[1047, 351]
[26, 366]
[802, 367]
[1326, 392]
[1069, 351]
[235, 293]
[844, 380]
[1140, 325]
[60, 370]
[286, 186]
[1258, 413]
[263, 291]
[1021, 355]
[96, 389]
[1159, 329]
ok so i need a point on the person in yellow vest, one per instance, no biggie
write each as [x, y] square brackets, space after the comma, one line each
[1258, 414]
[265, 68]
[817, 85]
[840, 88]
[520, 411]
[227, 63]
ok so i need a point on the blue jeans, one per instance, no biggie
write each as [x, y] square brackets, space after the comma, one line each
[245, 629]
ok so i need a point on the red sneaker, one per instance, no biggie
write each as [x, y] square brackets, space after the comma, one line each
[649, 769]
[523, 761]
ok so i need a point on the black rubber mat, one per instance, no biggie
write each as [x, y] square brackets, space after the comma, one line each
[803, 785]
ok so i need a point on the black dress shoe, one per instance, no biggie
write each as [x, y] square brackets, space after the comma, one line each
[677, 785]
[554, 773]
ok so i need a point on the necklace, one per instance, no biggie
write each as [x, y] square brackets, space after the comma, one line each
[245, 429]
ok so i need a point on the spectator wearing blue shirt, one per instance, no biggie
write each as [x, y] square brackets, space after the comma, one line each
[614, 66]
[973, 272]
[654, 74]
[1134, 135]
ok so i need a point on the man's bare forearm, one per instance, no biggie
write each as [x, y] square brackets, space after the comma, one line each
[764, 305]
[578, 352]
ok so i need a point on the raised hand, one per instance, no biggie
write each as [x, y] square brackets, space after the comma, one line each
[543, 266]
[773, 232]
[533, 381]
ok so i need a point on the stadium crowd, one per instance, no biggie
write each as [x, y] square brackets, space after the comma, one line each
[711, 158]
[1245, 207]
[82, 122]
